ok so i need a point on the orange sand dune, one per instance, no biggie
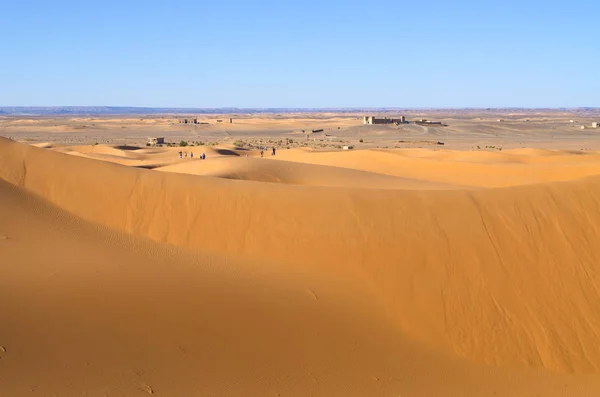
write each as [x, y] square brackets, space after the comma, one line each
[257, 169]
[147, 157]
[466, 168]
[269, 288]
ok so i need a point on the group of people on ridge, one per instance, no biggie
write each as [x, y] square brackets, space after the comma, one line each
[185, 154]
[262, 152]
[203, 156]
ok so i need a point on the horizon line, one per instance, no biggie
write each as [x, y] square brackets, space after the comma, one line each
[290, 107]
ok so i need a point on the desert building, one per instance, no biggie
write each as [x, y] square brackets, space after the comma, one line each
[188, 121]
[369, 120]
[156, 140]
[595, 124]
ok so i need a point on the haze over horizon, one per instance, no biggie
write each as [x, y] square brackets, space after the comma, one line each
[309, 55]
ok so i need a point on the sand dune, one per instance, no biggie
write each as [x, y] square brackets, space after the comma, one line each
[95, 311]
[286, 172]
[296, 289]
[151, 158]
[466, 168]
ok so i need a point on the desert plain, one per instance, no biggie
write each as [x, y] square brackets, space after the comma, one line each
[453, 259]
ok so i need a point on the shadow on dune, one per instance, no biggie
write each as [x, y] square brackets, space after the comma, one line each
[127, 147]
[226, 152]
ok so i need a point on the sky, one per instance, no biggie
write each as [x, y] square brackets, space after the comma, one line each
[311, 54]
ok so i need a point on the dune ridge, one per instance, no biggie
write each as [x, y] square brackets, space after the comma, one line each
[506, 277]
[306, 174]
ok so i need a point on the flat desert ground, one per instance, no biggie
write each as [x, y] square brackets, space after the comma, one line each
[456, 260]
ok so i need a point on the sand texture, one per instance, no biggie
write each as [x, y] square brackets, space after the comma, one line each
[381, 272]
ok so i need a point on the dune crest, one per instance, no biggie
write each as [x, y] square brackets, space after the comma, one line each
[306, 174]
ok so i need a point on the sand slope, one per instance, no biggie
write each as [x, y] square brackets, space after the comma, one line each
[417, 291]
[90, 310]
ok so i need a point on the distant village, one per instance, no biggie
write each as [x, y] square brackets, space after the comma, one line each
[371, 120]
[195, 121]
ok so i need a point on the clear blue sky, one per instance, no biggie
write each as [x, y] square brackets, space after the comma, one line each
[536, 53]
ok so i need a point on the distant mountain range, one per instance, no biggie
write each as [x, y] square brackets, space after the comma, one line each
[126, 110]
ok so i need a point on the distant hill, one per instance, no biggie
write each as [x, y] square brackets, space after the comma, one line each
[116, 110]
[128, 110]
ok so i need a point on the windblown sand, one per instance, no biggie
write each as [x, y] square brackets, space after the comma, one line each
[129, 271]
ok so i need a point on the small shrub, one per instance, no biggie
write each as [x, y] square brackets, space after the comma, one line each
[183, 143]
[147, 144]
[361, 141]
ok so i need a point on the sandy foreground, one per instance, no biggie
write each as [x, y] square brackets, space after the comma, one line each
[125, 270]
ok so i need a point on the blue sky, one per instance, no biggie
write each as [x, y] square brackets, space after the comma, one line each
[300, 53]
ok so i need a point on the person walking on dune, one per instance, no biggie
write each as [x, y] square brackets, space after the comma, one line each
[191, 155]
[273, 153]
[180, 155]
[262, 152]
